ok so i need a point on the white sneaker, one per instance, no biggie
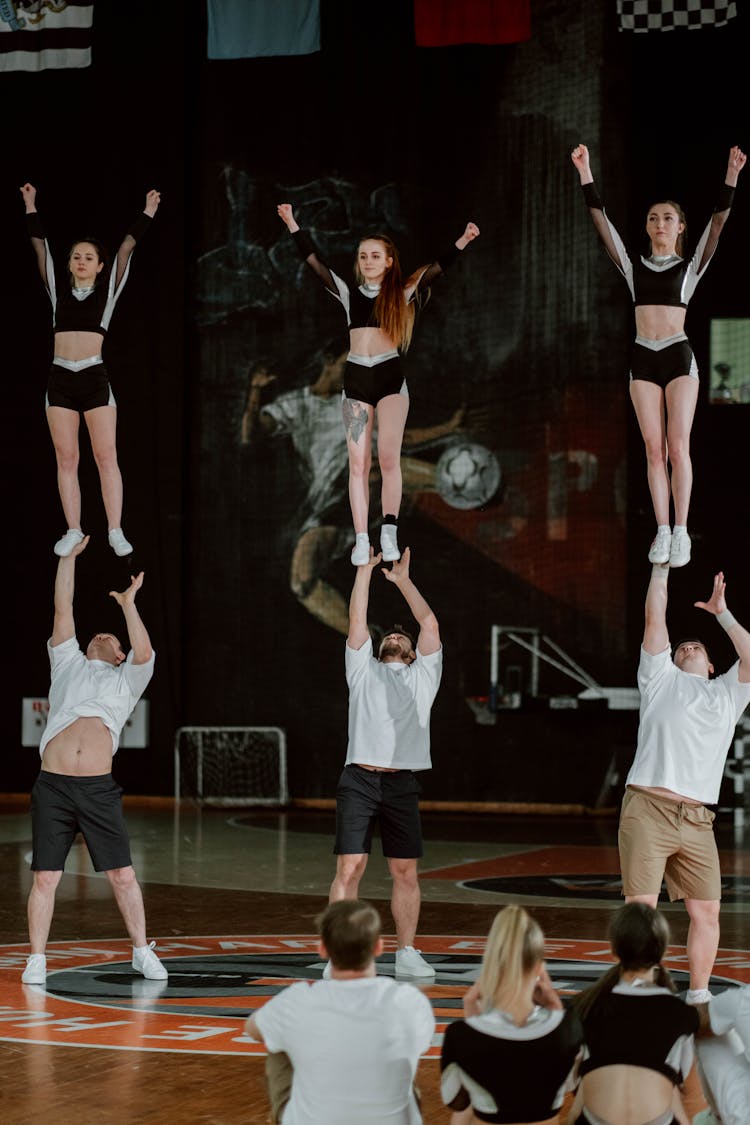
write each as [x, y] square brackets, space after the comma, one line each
[36, 969]
[70, 539]
[698, 996]
[388, 544]
[148, 964]
[361, 551]
[411, 963]
[679, 553]
[659, 551]
[119, 543]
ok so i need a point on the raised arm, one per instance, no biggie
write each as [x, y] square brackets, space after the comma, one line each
[710, 239]
[38, 241]
[259, 379]
[613, 244]
[425, 275]
[140, 641]
[428, 640]
[655, 635]
[63, 625]
[306, 249]
[359, 602]
[127, 246]
[739, 636]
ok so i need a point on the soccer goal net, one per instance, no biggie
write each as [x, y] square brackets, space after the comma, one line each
[231, 765]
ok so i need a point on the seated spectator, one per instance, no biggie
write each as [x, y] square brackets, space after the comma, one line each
[724, 1059]
[345, 1050]
[512, 1057]
[638, 1034]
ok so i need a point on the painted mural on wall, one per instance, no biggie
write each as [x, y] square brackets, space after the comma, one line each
[504, 466]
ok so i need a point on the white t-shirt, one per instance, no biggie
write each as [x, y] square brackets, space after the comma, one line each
[686, 727]
[82, 688]
[317, 432]
[725, 1061]
[730, 1011]
[389, 709]
[354, 1046]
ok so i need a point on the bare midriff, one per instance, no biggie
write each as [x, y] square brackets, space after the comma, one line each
[366, 341]
[622, 1094]
[377, 769]
[77, 345]
[84, 749]
[669, 794]
[658, 322]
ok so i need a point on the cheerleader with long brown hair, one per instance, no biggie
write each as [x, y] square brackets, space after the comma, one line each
[380, 314]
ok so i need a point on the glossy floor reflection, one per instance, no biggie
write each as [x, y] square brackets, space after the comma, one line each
[231, 898]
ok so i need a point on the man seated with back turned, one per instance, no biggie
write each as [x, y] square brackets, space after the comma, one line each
[345, 1050]
[91, 696]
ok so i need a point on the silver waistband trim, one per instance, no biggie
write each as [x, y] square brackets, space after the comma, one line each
[77, 364]
[371, 360]
[659, 345]
[663, 1119]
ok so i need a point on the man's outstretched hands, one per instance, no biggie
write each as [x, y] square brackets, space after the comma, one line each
[399, 571]
[127, 597]
[716, 603]
[79, 547]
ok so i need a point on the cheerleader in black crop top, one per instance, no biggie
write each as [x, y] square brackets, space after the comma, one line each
[638, 1036]
[663, 374]
[81, 311]
[513, 1057]
[380, 316]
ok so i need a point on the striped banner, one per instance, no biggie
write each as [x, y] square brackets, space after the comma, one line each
[45, 34]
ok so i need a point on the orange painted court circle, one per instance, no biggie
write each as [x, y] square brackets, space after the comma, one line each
[93, 999]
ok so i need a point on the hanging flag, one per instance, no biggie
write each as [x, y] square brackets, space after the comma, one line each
[248, 29]
[45, 34]
[444, 23]
[669, 15]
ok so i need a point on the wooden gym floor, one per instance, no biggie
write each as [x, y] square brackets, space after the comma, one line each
[231, 897]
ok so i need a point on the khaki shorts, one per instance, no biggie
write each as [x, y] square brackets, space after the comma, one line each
[659, 838]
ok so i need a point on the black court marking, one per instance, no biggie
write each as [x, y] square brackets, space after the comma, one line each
[734, 888]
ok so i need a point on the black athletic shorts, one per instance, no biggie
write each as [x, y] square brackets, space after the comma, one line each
[392, 799]
[370, 384]
[664, 365]
[62, 805]
[79, 390]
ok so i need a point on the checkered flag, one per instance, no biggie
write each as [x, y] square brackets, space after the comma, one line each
[668, 15]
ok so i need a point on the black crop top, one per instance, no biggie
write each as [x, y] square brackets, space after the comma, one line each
[359, 301]
[510, 1073]
[671, 282]
[94, 312]
[640, 1026]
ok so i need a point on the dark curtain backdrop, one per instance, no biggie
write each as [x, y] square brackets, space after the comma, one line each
[520, 356]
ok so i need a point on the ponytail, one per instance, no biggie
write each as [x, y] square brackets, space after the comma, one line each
[515, 945]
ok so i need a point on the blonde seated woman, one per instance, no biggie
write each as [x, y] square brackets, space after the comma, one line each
[638, 1035]
[513, 1057]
